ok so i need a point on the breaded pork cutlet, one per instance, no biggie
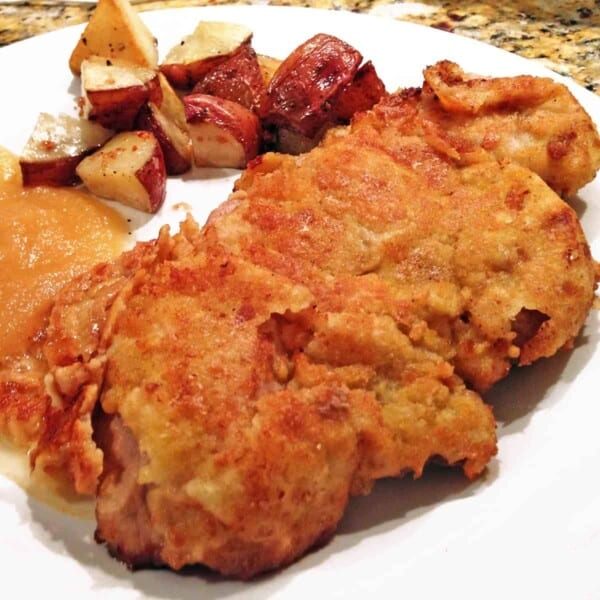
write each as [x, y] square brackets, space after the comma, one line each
[243, 408]
[530, 121]
[73, 354]
[319, 337]
[481, 250]
[318, 332]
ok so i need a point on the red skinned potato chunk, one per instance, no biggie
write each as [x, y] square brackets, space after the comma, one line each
[362, 93]
[129, 169]
[239, 78]
[299, 94]
[171, 104]
[174, 142]
[113, 92]
[55, 148]
[209, 45]
[224, 134]
[115, 30]
[365, 90]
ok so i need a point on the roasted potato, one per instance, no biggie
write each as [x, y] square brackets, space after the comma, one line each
[174, 141]
[113, 92]
[364, 91]
[116, 31]
[238, 78]
[300, 92]
[129, 169]
[55, 148]
[171, 103]
[224, 133]
[210, 44]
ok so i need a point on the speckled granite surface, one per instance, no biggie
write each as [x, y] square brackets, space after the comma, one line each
[564, 36]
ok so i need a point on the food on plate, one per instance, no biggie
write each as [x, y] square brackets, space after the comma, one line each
[113, 92]
[115, 31]
[558, 140]
[47, 236]
[244, 456]
[239, 78]
[223, 391]
[295, 101]
[223, 133]
[166, 120]
[171, 104]
[75, 326]
[268, 66]
[175, 142]
[333, 323]
[319, 85]
[301, 90]
[210, 44]
[55, 148]
[129, 169]
[365, 90]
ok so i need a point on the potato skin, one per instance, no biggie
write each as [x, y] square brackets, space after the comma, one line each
[117, 109]
[239, 78]
[365, 90]
[129, 169]
[174, 142]
[299, 94]
[240, 128]
[55, 173]
[211, 44]
[184, 76]
[152, 175]
[55, 148]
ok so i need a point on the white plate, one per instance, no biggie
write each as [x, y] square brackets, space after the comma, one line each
[529, 528]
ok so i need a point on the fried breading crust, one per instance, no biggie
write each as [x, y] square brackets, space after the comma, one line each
[312, 344]
[531, 121]
[249, 444]
[472, 251]
[75, 370]
[315, 335]
[73, 348]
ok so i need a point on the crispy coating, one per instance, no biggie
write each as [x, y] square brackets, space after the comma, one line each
[73, 353]
[317, 333]
[531, 121]
[256, 416]
[316, 339]
[485, 255]
[75, 369]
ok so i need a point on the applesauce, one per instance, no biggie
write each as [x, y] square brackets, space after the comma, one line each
[47, 237]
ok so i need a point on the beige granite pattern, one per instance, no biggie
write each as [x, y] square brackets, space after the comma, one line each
[564, 36]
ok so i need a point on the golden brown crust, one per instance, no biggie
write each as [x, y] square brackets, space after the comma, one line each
[78, 330]
[531, 121]
[465, 249]
[76, 324]
[256, 416]
[315, 335]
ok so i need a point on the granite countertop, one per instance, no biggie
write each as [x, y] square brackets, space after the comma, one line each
[564, 36]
